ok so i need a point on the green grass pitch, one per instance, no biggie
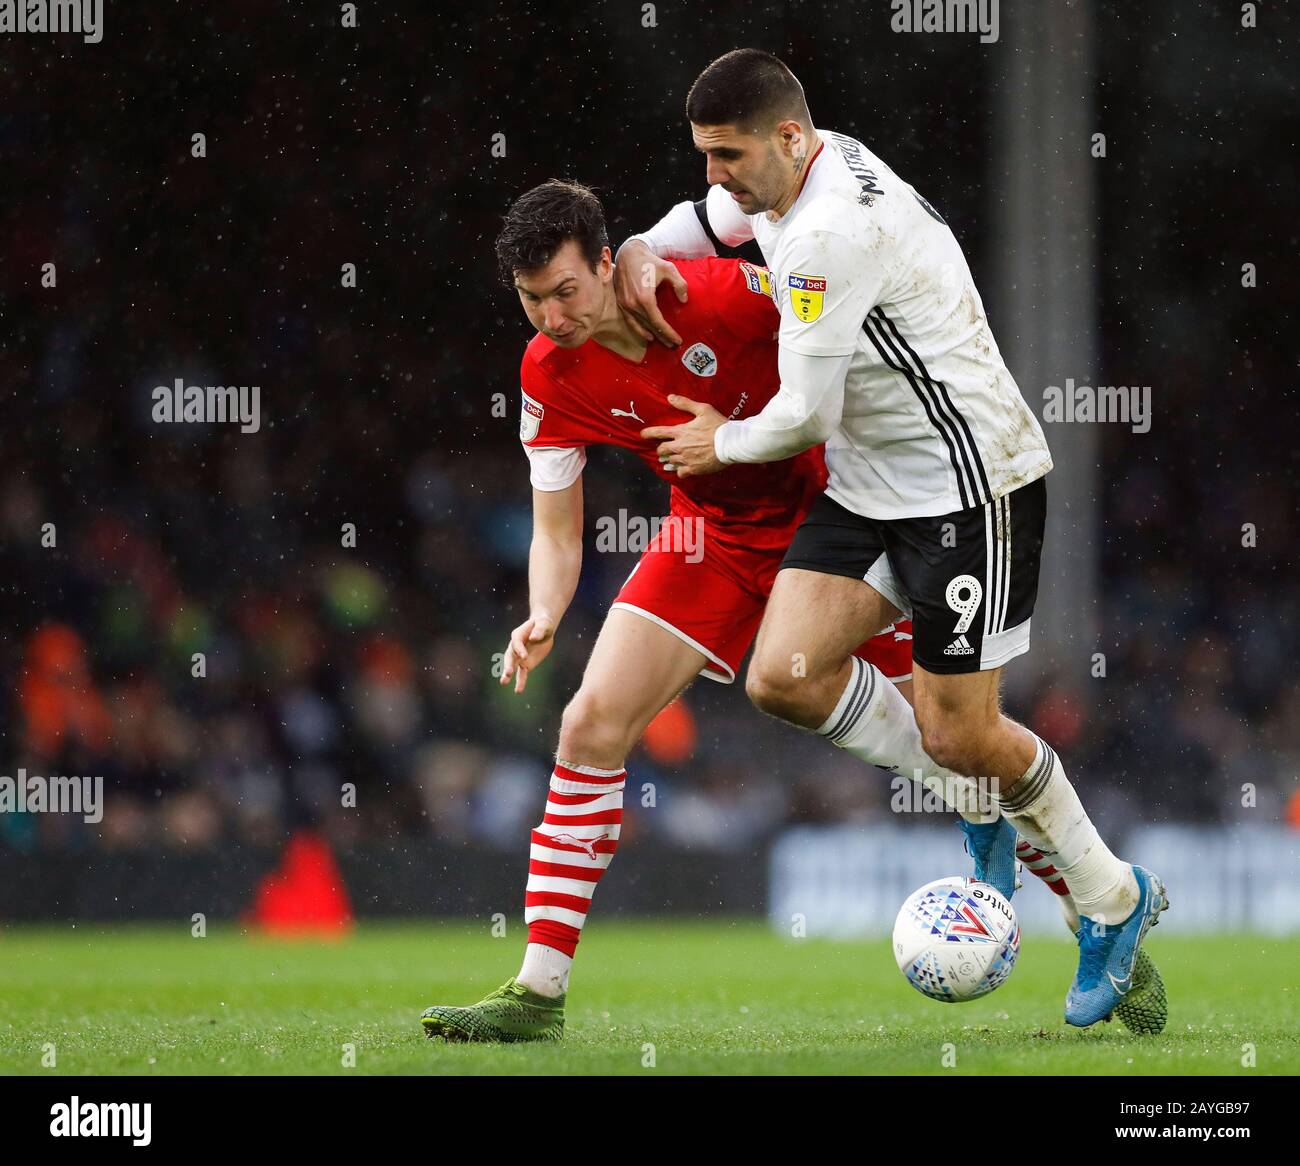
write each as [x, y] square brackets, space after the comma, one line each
[710, 997]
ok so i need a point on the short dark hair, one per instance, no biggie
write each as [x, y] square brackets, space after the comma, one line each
[745, 87]
[543, 220]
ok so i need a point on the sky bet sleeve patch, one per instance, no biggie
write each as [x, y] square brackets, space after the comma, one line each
[758, 279]
[807, 294]
[530, 419]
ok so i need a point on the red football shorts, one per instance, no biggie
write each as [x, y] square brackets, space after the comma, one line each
[705, 604]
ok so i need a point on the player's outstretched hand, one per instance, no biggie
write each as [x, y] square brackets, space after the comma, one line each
[530, 644]
[636, 276]
[688, 449]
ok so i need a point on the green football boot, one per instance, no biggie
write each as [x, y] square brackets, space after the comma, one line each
[1144, 1009]
[511, 1013]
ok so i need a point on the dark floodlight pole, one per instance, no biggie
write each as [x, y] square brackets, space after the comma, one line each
[1046, 276]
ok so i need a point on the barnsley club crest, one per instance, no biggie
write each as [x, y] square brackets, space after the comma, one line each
[700, 359]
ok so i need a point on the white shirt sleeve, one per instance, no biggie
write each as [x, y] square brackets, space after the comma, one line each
[729, 222]
[551, 468]
[681, 235]
[678, 235]
[804, 412]
[828, 285]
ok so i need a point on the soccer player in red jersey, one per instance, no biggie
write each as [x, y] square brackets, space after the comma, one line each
[694, 601]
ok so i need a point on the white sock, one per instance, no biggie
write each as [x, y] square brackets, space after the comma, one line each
[545, 970]
[873, 721]
[1047, 812]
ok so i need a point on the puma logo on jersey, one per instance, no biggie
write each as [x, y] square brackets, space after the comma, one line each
[959, 647]
[620, 413]
[586, 844]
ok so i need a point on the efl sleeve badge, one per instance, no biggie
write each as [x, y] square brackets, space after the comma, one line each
[530, 418]
[807, 292]
[757, 279]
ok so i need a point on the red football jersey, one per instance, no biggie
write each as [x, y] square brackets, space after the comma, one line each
[592, 396]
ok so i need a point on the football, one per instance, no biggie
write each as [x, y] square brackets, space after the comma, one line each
[956, 939]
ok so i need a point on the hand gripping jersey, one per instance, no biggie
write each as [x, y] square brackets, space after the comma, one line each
[591, 396]
[573, 398]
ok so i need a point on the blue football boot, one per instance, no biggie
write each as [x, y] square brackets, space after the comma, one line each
[1108, 954]
[993, 847]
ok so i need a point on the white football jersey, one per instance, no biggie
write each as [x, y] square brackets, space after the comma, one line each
[863, 267]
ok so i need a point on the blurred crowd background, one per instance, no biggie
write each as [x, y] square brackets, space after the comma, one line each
[328, 664]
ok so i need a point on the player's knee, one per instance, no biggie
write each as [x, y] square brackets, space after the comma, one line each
[774, 691]
[953, 745]
[589, 728]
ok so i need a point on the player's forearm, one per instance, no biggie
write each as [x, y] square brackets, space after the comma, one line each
[803, 413]
[554, 566]
[757, 439]
[678, 235]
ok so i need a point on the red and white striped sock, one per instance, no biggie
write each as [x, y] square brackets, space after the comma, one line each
[570, 850]
[1040, 863]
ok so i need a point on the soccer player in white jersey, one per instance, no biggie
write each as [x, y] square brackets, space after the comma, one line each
[936, 500]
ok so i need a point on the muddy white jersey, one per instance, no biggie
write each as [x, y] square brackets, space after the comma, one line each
[863, 267]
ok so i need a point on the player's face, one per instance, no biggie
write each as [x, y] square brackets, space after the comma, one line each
[747, 164]
[565, 300]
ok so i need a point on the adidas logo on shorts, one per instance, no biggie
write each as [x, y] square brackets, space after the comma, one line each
[959, 647]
